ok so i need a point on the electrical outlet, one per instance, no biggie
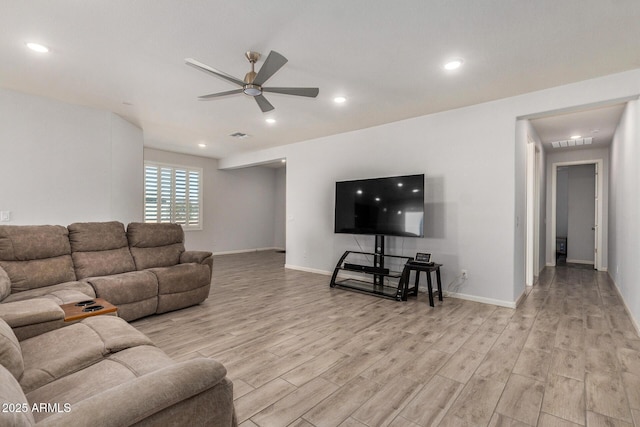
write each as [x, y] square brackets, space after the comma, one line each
[5, 216]
[464, 274]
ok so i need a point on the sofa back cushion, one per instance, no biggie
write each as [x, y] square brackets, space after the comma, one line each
[155, 245]
[99, 249]
[10, 351]
[34, 256]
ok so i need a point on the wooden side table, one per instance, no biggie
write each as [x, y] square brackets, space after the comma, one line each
[74, 312]
[418, 268]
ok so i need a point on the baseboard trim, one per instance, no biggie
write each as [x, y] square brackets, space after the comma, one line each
[579, 261]
[474, 298]
[308, 269]
[242, 251]
[634, 321]
[521, 298]
[483, 300]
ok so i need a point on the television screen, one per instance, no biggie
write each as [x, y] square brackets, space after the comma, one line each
[392, 206]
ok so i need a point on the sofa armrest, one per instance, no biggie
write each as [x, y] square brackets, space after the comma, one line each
[198, 257]
[5, 284]
[30, 311]
[142, 397]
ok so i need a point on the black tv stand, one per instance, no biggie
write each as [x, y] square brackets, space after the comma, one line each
[364, 282]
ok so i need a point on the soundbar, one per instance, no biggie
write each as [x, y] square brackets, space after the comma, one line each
[365, 268]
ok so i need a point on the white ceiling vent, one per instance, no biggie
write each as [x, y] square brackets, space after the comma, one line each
[239, 135]
[572, 142]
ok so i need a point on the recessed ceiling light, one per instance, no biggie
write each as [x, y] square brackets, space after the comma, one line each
[36, 47]
[576, 136]
[339, 99]
[283, 161]
[270, 121]
[202, 145]
[453, 64]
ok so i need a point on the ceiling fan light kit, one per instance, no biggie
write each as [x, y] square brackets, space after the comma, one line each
[253, 82]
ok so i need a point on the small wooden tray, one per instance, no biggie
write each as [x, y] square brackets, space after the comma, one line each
[72, 312]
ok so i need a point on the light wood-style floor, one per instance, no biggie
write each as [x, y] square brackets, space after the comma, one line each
[303, 354]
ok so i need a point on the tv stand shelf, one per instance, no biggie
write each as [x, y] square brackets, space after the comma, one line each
[372, 277]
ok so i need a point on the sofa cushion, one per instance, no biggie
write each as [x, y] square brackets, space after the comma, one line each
[112, 372]
[103, 263]
[58, 353]
[10, 351]
[97, 236]
[155, 245]
[61, 293]
[181, 277]
[34, 256]
[100, 249]
[116, 334]
[38, 273]
[126, 287]
[11, 394]
[5, 284]
[27, 242]
[30, 312]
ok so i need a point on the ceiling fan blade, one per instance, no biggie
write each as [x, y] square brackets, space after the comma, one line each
[271, 65]
[263, 103]
[203, 67]
[311, 92]
[216, 95]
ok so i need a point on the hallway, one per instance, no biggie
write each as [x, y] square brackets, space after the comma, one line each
[595, 353]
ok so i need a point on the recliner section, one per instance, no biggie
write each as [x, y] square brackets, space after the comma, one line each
[143, 270]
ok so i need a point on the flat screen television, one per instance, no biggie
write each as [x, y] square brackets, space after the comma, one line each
[391, 206]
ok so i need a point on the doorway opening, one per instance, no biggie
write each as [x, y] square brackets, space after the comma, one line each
[576, 213]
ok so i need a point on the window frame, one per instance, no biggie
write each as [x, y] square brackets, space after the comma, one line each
[174, 168]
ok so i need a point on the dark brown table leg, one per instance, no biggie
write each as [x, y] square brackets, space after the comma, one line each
[430, 288]
[439, 283]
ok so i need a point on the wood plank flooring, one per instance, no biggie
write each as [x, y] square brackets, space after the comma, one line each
[302, 354]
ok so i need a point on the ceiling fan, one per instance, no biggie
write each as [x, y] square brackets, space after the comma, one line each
[252, 83]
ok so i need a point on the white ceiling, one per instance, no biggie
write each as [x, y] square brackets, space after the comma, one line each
[385, 57]
[597, 123]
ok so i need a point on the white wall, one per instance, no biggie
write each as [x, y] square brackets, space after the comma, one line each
[280, 213]
[63, 163]
[473, 169]
[624, 209]
[238, 206]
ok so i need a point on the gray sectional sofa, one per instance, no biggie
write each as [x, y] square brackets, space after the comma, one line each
[103, 372]
[143, 270]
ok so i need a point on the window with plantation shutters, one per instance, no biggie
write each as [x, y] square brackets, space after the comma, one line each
[173, 194]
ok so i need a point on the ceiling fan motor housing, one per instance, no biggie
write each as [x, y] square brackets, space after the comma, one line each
[252, 90]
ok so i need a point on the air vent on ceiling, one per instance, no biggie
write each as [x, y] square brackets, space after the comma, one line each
[239, 135]
[572, 142]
